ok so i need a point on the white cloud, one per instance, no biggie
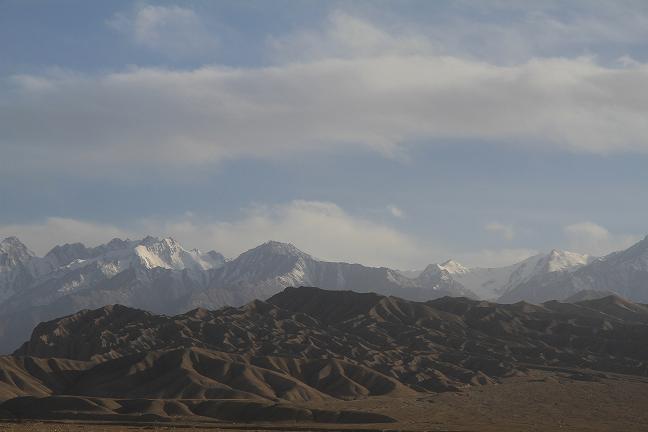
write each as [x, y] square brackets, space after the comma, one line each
[172, 30]
[152, 116]
[591, 238]
[41, 237]
[506, 231]
[512, 32]
[320, 228]
[346, 36]
[346, 237]
[396, 211]
[144, 116]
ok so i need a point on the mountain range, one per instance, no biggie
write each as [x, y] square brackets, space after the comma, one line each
[281, 359]
[161, 276]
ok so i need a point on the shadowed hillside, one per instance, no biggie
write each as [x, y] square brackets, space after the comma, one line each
[310, 346]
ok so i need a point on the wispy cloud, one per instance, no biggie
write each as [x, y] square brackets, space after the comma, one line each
[505, 32]
[42, 236]
[591, 238]
[347, 237]
[172, 30]
[347, 36]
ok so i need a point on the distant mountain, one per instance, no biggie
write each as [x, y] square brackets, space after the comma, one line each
[356, 326]
[306, 345]
[624, 272]
[161, 276]
[444, 277]
[151, 273]
[15, 271]
[493, 283]
[272, 266]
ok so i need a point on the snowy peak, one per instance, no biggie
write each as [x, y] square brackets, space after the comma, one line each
[15, 272]
[492, 283]
[444, 271]
[13, 253]
[168, 253]
[434, 273]
[271, 254]
[265, 270]
[277, 248]
[453, 267]
[267, 260]
[118, 255]
[554, 261]
[558, 260]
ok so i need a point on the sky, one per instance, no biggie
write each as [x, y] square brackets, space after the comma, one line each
[389, 133]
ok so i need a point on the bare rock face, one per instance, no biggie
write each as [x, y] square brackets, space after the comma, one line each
[307, 346]
[159, 275]
[395, 344]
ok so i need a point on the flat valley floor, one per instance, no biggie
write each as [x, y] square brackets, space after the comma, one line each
[538, 401]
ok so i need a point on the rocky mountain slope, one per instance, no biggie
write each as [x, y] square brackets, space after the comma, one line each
[272, 266]
[624, 272]
[307, 345]
[161, 276]
[494, 283]
[150, 273]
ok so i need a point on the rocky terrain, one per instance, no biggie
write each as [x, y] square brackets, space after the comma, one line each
[290, 358]
[161, 276]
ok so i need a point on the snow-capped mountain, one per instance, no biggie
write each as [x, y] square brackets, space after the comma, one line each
[161, 276]
[492, 283]
[13, 254]
[74, 267]
[269, 268]
[150, 273]
[444, 277]
[15, 271]
[149, 252]
[454, 268]
[624, 273]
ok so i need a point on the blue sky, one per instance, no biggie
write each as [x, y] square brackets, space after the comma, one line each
[388, 133]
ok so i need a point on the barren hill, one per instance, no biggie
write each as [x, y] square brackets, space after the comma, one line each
[309, 346]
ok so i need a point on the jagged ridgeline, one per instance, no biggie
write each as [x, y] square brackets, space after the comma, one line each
[161, 276]
[307, 345]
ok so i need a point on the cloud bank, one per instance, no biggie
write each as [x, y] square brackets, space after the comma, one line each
[391, 91]
[348, 238]
[591, 238]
